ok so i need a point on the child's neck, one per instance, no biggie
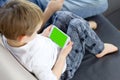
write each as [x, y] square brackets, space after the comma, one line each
[14, 43]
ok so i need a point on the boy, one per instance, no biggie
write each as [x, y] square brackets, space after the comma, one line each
[19, 23]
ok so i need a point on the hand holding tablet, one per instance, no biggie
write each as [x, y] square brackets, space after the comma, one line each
[59, 37]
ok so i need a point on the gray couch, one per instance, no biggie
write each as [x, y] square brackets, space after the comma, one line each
[113, 6]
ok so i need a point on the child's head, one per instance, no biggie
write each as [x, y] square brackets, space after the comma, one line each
[19, 18]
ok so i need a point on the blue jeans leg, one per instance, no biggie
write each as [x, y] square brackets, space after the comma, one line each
[83, 8]
[86, 8]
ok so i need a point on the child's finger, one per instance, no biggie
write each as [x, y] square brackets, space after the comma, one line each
[69, 45]
[49, 27]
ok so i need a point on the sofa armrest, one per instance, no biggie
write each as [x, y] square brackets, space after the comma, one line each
[10, 69]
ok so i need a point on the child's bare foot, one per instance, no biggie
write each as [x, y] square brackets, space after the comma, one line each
[108, 48]
[93, 24]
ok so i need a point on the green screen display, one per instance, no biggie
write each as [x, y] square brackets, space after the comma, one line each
[58, 37]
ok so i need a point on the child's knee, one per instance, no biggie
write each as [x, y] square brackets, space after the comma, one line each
[79, 23]
[64, 16]
[63, 13]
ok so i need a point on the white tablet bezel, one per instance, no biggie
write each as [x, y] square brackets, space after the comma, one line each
[68, 38]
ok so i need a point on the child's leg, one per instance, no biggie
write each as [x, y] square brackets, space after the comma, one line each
[108, 48]
[82, 36]
[63, 20]
[92, 41]
[76, 55]
[73, 26]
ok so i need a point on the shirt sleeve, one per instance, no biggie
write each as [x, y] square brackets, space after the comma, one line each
[43, 73]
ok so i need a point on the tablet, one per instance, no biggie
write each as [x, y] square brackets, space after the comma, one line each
[59, 37]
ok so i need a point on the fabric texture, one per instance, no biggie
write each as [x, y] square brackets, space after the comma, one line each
[86, 8]
[82, 35]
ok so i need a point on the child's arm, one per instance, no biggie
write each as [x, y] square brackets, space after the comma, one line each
[52, 7]
[59, 65]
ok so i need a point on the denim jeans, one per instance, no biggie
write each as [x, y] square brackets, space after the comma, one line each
[83, 37]
[83, 8]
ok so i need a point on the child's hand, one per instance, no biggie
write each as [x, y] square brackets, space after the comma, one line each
[65, 51]
[46, 31]
[55, 5]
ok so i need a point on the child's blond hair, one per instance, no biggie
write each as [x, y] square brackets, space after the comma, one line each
[18, 18]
